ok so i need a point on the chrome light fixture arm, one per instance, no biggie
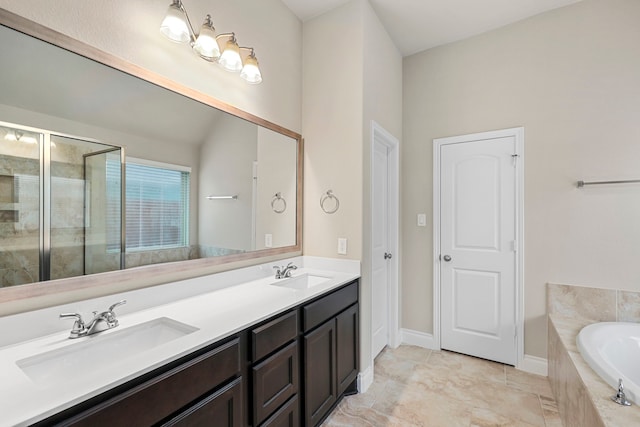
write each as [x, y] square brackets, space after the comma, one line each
[177, 27]
[192, 33]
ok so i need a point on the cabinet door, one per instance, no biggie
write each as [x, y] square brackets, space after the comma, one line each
[320, 372]
[347, 347]
[223, 409]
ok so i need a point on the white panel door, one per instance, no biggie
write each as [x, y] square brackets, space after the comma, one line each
[380, 245]
[478, 259]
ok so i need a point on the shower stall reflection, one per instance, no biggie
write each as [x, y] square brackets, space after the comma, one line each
[60, 206]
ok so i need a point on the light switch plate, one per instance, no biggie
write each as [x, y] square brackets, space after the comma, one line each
[422, 220]
[342, 246]
[268, 240]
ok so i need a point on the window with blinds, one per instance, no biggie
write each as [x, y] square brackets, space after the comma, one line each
[157, 206]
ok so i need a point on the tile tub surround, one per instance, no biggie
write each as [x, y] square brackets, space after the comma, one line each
[593, 304]
[414, 386]
[583, 397]
[218, 305]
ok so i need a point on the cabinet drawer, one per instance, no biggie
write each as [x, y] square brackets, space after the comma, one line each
[317, 312]
[156, 399]
[271, 336]
[287, 416]
[223, 408]
[275, 381]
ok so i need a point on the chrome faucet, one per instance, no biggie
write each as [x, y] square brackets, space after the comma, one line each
[284, 272]
[100, 322]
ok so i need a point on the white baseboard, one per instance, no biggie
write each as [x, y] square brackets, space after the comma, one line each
[534, 365]
[417, 338]
[365, 379]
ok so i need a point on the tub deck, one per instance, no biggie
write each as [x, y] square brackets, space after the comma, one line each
[583, 397]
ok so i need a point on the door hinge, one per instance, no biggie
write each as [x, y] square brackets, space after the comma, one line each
[514, 246]
[515, 332]
[515, 157]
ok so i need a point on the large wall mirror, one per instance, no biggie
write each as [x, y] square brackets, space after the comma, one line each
[103, 170]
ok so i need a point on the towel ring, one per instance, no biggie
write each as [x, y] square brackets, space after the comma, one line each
[278, 198]
[329, 196]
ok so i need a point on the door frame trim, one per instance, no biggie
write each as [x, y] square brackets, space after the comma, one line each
[383, 136]
[518, 134]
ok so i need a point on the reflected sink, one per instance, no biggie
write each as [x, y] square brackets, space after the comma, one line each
[303, 281]
[96, 352]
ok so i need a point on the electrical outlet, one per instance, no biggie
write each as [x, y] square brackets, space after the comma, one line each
[342, 246]
[422, 220]
[268, 240]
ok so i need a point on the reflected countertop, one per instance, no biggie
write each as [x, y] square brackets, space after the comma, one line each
[214, 314]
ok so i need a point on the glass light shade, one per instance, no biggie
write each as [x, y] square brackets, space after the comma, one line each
[29, 139]
[230, 59]
[206, 45]
[174, 25]
[11, 135]
[251, 72]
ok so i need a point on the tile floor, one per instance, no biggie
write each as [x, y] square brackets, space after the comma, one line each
[418, 387]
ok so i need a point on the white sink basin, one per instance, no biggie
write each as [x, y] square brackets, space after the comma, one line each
[96, 352]
[303, 281]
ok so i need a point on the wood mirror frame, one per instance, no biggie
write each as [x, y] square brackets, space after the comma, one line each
[37, 295]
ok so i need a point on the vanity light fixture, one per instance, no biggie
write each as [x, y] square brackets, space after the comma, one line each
[177, 27]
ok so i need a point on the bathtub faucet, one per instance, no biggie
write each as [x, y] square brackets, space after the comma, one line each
[620, 398]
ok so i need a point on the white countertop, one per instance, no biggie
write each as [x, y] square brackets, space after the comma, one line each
[216, 313]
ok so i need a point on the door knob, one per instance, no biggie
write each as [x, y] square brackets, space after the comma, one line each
[447, 258]
[387, 255]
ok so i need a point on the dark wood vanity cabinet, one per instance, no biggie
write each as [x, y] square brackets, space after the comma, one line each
[288, 371]
[330, 351]
[206, 385]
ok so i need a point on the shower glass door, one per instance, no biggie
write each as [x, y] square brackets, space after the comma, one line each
[86, 200]
[20, 205]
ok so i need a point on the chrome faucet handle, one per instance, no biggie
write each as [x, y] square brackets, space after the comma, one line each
[78, 328]
[110, 315]
[124, 301]
[291, 266]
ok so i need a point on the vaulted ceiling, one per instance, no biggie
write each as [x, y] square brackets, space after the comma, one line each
[417, 25]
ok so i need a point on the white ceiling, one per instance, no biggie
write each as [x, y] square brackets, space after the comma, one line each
[416, 25]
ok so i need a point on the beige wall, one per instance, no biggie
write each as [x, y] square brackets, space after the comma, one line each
[332, 128]
[571, 77]
[382, 103]
[343, 93]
